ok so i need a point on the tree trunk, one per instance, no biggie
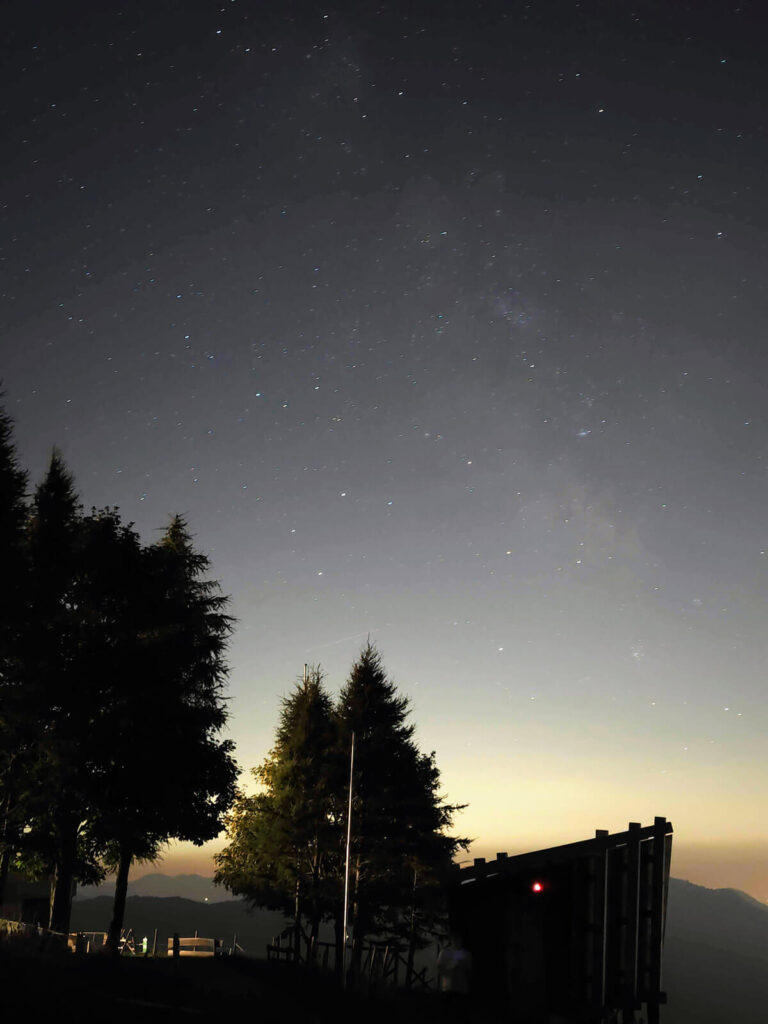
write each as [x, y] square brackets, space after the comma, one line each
[359, 926]
[314, 915]
[338, 964]
[314, 933]
[5, 840]
[5, 863]
[411, 937]
[61, 896]
[411, 958]
[118, 907]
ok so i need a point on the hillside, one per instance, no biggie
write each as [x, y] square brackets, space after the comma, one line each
[715, 957]
[188, 887]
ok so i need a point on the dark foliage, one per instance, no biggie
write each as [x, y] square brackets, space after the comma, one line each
[112, 675]
[400, 844]
[284, 840]
[287, 841]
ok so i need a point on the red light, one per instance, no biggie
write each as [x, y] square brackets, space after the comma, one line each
[537, 887]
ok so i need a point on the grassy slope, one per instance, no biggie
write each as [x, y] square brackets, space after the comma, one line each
[226, 990]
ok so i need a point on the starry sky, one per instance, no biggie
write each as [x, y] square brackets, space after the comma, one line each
[442, 324]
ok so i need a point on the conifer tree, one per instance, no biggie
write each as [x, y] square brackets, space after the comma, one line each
[283, 850]
[120, 599]
[399, 819]
[173, 776]
[286, 842]
[58, 687]
[112, 672]
[80, 675]
[13, 511]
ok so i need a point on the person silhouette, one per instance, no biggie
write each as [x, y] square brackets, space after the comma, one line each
[454, 976]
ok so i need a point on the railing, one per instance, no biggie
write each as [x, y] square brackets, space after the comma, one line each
[31, 936]
[381, 965]
[86, 942]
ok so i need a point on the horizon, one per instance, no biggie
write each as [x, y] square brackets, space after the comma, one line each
[732, 870]
[235, 898]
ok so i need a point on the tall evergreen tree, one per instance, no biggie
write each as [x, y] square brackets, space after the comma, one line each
[112, 672]
[13, 512]
[80, 672]
[286, 842]
[283, 850]
[399, 820]
[119, 599]
[58, 688]
[172, 775]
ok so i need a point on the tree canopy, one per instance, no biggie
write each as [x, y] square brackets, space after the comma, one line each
[400, 841]
[13, 742]
[112, 680]
[112, 704]
[286, 841]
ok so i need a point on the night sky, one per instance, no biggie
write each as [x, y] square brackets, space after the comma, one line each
[440, 323]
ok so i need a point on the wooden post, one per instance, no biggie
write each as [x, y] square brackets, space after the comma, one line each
[632, 911]
[658, 872]
[598, 878]
[176, 945]
[154, 943]
[615, 927]
[412, 937]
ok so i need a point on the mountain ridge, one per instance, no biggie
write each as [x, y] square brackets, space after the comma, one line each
[185, 886]
[202, 887]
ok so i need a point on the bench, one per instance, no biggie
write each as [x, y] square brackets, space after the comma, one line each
[194, 947]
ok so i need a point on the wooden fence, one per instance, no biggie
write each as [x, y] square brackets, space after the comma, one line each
[382, 965]
[575, 930]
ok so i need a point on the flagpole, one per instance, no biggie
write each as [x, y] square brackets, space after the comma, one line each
[346, 867]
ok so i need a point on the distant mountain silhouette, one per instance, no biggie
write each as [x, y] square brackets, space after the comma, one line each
[715, 954]
[188, 887]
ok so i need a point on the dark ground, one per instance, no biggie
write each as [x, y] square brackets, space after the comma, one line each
[226, 989]
[715, 971]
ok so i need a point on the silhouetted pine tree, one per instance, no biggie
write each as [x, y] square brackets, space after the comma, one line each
[286, 842]
[115, 635]
[283, 850]
[13, 597]
[182, 774]
[111, 683]
[59, 687]
[400, 847]
[80, 666]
